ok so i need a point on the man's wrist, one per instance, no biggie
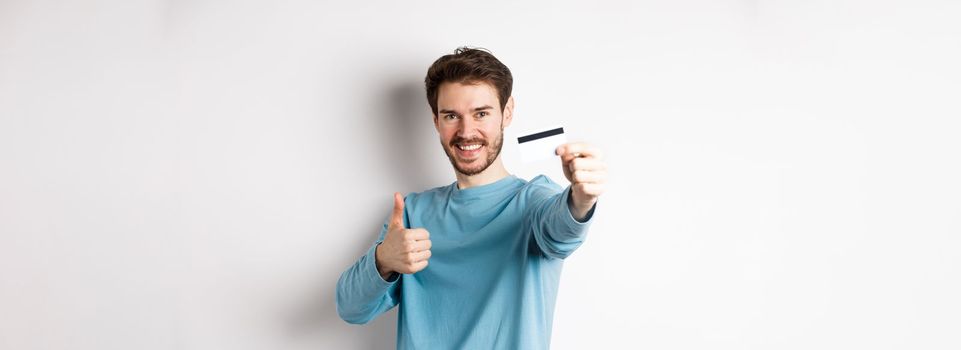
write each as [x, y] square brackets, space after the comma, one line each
[384, 272]
[580, 209]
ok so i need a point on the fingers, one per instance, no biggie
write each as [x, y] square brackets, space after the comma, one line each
[420, 256]
[590, 189]
[415, 261]
[587, 170]
[417, 266]
[590, 164]
[417, 246]
[572, 150]
[413, 257]
[397, 216]
[587, 176]
[416, 234]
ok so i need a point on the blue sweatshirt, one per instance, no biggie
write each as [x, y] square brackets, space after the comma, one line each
[491, 282]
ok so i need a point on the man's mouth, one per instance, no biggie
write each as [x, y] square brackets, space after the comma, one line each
[469, 147]
[468, 150]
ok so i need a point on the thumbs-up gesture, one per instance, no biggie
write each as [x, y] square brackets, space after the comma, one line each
[403, 250]
[584, 167]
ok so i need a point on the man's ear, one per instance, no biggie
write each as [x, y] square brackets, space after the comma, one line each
[435, 123]
[509, 111]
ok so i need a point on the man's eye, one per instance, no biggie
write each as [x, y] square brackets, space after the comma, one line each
[450, 116]
[481, 114]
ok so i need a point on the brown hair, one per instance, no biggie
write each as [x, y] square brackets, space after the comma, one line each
[468, 66]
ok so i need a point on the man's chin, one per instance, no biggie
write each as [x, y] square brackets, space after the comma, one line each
[478, 158]
[472, 166]
[469, 169]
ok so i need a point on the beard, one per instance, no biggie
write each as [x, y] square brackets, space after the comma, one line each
[492, 153]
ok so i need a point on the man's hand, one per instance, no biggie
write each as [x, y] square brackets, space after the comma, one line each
[584, 168]
[403, 250]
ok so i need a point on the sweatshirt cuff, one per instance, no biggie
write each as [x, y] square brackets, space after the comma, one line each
[570, 220]
[371, 270]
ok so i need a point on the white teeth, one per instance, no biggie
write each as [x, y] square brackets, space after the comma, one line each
[469, 147]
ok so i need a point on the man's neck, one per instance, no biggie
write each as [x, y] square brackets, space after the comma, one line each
[494, 172]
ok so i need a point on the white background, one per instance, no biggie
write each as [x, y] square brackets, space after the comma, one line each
[197, 174]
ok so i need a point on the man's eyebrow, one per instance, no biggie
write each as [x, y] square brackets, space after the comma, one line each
[476, 109]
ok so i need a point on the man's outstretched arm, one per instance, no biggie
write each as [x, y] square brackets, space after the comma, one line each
[560, 220]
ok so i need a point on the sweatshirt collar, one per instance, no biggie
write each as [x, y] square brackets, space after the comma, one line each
[482, 190]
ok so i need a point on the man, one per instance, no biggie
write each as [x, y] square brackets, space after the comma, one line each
[475, 264]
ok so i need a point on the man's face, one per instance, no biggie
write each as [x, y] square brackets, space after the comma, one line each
[471, 125]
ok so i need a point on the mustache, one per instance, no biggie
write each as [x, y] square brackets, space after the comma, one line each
[457, 140]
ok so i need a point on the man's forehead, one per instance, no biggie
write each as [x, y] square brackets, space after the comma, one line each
[470, 96]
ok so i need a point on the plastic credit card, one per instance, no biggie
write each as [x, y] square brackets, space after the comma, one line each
[541, 145]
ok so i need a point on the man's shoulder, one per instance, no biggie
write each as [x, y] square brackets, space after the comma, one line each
[539, 188]
[428, 194]
[543, 182]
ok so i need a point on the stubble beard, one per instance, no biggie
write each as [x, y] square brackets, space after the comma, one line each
[493, 152]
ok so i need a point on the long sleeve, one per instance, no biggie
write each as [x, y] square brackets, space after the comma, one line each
[362, 294]
[555, 230]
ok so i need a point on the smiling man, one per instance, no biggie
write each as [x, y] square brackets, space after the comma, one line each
[475, 264]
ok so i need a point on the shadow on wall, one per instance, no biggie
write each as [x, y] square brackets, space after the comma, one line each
[404, 129]
[316, 318]
[409, 136]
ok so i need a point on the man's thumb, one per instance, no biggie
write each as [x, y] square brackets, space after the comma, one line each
[397, 217]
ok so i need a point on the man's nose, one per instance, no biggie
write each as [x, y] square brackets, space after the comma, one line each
[466, 127]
